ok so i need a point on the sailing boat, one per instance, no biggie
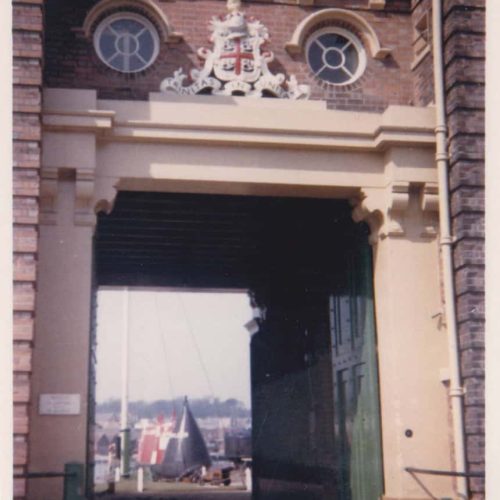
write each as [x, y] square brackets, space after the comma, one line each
[186, 451]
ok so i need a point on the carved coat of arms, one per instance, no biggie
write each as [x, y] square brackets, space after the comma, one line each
[237, 63]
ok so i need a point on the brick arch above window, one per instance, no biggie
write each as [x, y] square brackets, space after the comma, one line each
[297, 43]
[146, 7]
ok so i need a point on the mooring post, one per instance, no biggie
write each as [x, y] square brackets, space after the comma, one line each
[117, 475]
[140, 480]
[248, 479]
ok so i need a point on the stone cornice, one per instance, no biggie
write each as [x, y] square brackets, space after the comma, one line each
[384, 162]
[244, 121]
[78, 121]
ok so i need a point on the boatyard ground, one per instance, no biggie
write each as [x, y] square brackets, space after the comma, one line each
[127, 489]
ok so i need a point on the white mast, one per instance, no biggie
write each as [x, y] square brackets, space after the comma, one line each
[124, 430]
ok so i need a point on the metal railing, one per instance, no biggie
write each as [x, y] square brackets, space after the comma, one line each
[436, 472]
[73, 475]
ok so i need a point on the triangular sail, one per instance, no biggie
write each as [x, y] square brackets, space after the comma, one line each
[186, 450]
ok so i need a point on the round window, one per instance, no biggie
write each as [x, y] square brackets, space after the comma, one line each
[126, 42]
[336, 56]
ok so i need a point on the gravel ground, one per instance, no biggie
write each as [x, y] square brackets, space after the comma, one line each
[206, 495]
[126, 490]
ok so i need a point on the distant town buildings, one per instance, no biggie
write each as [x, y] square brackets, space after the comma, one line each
[224, 436]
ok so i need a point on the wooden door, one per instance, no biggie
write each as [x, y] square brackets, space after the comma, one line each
[355, 381]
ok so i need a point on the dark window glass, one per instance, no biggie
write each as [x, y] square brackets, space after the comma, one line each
[333, 75]
[315, 57]
[332, 40]
[351, 58]
[146, 45]
[107, 44]
[135, 63]
[333, 58]
[118, 61]
[127, 26]
[127, 45]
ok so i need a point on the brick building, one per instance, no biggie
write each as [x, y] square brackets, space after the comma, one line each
[93, 134]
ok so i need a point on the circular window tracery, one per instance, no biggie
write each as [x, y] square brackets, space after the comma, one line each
[126, 42]
[336, 56]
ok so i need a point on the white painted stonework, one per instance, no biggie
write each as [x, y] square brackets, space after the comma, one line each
[238, 62]
[59, 404]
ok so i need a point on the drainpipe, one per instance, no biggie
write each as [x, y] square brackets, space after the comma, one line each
[456, 391]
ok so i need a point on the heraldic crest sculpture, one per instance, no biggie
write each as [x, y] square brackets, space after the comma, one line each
[237, 64]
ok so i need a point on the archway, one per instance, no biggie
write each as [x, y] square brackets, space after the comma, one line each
[307, 267]
[383, 163]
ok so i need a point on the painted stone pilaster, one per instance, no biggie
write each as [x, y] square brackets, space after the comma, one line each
[63, 359]
[412, 344]
[62, 336]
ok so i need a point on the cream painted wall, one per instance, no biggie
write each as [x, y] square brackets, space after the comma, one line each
[382, 162]
[412, 348]
[61, 354]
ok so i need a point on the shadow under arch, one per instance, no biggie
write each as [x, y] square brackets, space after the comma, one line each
[297, 257]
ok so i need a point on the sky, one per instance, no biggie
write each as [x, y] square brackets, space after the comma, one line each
[181, 343]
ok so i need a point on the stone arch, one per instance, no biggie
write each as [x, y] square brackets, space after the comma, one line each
[296, 44]
[147, 7]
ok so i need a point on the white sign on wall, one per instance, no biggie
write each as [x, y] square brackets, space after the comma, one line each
[59, 404]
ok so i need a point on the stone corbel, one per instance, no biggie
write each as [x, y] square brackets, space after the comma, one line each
[399, 199]
[430, 209]
[365, 208]
[93, 196]
[105, 195]
[48, 195]
[430, 198]
[84, 214]
[376, 4]
[386, 210]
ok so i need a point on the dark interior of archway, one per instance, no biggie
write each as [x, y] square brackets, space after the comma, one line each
[195, 240]
[293, 255]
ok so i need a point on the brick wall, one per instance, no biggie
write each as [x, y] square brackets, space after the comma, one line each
[27, 68]
[423, 84]
[464, 72]
[71, 60]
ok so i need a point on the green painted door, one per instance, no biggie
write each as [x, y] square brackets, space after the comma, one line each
[355, 379]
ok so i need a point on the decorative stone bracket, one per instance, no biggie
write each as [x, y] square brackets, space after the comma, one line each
[84, 192]
[376, 4]
[48, 195]
[88, 198]
[387, 212]
[430, 208]
[363, 212]
[88, 142]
